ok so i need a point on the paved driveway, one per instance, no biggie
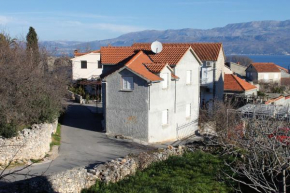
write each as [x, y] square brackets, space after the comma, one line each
[82, 144]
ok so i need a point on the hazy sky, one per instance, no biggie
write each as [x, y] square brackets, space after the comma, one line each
[85, 20]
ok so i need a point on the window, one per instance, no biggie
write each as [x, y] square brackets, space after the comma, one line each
[247, 74]
[188, 77]
[165, 117]
[188, 110]
[99, 64]
[276, 76]
[165, 80]
[84, 64]
[128, 83]
[266, 76]
[208, 64]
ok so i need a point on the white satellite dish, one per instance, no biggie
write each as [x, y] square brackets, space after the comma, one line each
[156, 47]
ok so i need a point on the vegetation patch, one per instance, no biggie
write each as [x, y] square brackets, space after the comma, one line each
[193, 172]
[56, 136]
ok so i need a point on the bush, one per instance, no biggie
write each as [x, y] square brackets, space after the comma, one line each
[29, 93]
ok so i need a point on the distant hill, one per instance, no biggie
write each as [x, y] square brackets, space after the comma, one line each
[257, 37]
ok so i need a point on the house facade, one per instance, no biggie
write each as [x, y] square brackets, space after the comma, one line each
[212, 70]
[284, 72]
[263, 72]
[150, 97]
[86, 65]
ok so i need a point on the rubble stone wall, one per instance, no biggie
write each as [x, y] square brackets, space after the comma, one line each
[29, 144]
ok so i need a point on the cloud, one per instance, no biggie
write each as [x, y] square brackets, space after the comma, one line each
[4, 20]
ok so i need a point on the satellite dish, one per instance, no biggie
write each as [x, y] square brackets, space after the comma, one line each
[156, 47]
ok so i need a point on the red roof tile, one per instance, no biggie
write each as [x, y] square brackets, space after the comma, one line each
[155, 67]
[116, 55]
[234, 83]
[136, 65]
[273, 100]
[281, 68]
[265, 67]
[205, 51]
[76, 53]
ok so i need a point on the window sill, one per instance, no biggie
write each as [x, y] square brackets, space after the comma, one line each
[164, 126]
[165, 88]
[188, 84]
[126, 90]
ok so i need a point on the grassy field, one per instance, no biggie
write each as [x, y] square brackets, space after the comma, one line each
[193, 172]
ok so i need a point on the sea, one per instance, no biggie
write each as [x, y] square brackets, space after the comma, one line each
[281, 60]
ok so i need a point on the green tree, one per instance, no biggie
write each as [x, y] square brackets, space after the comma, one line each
[32, 40]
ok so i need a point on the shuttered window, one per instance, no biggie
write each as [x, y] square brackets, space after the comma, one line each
[266, 76]
[164, 76]
[165, 117]
[188, 110]
[128, 83]
[188, 77]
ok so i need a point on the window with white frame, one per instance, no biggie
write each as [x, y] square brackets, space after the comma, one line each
[128, 83]
[276, 76]
[164, 76]
[266, 76]
[165, 117]
[188, 110]
[188, 77]
[84, 64]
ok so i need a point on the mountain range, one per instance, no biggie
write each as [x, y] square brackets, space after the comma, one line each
[257, 37]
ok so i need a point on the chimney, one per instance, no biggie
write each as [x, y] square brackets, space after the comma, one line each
[76, 51]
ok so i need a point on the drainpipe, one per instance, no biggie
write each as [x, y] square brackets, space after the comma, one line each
[214, 83]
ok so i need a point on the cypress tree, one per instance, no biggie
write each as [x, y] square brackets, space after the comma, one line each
[32, 40]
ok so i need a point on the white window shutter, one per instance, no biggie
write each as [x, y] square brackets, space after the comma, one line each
[266, 76]
[165, 117]
[188, 110]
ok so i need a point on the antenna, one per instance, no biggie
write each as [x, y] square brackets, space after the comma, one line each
[156, 47]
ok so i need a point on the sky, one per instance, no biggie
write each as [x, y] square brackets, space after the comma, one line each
[88, 20]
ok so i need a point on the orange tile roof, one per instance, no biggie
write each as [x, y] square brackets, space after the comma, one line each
[155, 67]
[281, 68]
[136, 65]
[76, 53]
[142, 65]
[205, 51]
[273, 100]
[116, 55]
[287, 97]
[234, 83]
[265, 67]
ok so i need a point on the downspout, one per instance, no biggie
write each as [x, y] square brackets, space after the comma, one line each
[175, 97]
[214, 81]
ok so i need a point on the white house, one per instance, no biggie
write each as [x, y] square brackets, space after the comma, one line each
[150, 97]
[212, 70]
[86, 65]
[263, 72]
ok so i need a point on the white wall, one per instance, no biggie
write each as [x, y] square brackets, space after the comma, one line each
[174, 99]
[269, 76]
[92, 66]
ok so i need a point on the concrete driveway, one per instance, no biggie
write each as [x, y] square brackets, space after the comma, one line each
[82, 144]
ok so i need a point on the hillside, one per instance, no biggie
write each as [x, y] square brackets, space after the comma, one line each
[258, 37]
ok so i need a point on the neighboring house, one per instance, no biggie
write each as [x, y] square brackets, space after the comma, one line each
[86, 65]
[235, 85]
[212, 70]
[150, 97]
[237, 69]
[227, 70]
[284, 72]
[263, 72]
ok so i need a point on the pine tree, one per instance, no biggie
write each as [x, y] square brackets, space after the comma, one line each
[32, 40]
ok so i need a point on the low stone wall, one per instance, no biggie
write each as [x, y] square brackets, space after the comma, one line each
[30, 144]
[74, 180]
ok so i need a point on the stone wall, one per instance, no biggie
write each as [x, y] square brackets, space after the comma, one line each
[30, 144]
[74, 180]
